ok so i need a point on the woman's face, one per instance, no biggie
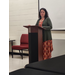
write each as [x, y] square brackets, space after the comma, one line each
[42, 13]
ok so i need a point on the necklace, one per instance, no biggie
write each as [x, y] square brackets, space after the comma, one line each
[41, 20]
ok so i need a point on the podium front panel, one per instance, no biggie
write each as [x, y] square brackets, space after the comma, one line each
[40, 45]
[33, 47]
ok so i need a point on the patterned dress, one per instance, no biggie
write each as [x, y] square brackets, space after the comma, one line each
[47, 46]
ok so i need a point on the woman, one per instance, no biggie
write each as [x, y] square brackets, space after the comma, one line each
[45, 22]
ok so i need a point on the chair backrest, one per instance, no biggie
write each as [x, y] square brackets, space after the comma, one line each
[24, 39]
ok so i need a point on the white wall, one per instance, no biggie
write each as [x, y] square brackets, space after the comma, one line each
[25, 12]
[56, 10]
[58, 43]
[58, 34]
[21, 12]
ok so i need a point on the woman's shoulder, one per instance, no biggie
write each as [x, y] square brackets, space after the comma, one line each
[47, 18]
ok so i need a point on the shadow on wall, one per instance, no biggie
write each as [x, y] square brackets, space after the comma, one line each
[58, 47]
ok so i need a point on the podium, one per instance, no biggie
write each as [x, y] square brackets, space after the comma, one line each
[35, 38]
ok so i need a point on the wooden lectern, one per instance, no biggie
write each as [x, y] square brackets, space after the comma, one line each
[35, 43]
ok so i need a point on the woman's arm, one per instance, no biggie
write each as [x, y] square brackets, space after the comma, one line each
[37, 22]
[49, 23]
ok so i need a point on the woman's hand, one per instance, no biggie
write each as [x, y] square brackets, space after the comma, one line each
[29, 25]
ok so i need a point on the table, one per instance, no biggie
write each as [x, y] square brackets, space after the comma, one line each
[32, 72]
[55, 65]
[11, 42]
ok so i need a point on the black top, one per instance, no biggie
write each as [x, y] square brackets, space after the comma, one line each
[55, 65]
[31, 72]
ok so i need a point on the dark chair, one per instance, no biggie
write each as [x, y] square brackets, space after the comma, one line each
[23, 44]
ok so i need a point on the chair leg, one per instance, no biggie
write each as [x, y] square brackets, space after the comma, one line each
[19, 52]
[12, 53]
[22, 54]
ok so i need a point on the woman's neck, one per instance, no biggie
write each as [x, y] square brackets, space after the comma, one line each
[42, 18]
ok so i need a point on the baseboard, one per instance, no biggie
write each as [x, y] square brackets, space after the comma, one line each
[15, 53]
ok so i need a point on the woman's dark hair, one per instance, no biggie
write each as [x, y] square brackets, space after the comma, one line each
[46, 13]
